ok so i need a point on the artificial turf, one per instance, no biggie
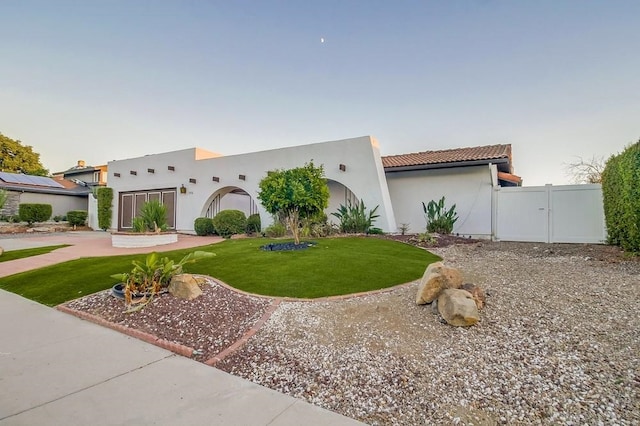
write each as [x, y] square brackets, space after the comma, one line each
[334, 266]
[19, 254]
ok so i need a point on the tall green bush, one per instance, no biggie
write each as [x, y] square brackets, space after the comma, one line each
[105, 207]
[77, 217]
[32, 213]
[203, 226]
[621, 198]
[230, 222]
[439, 219]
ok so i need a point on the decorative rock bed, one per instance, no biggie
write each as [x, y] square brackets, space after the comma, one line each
[287, 246]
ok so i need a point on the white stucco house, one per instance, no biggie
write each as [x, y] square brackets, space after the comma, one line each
[198, 183]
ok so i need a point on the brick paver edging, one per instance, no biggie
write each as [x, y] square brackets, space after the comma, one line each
[176, 348]
[238, 344]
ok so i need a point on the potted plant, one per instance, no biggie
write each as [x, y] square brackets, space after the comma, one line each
[151, 277]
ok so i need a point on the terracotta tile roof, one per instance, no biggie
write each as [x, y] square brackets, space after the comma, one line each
[457, 155]
[510, 178]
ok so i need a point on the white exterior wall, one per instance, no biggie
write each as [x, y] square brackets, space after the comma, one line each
[60, 204]
[364, 176]
[470, 188]
[92, 216]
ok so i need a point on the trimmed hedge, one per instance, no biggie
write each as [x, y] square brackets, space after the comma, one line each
[32, 213]
[621, 197]
[77, 217]
[229, 222]
[104, 196]
[203, 226]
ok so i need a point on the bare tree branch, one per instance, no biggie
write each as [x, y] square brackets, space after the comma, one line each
[586, 171]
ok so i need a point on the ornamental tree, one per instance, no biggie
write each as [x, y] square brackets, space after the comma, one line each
[295, 194]
[18, 158]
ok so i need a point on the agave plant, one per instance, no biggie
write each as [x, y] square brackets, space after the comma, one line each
[152, 218]
[151, 276]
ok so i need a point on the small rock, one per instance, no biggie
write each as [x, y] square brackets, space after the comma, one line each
[477, 293]
[458, 308]
[184, 286]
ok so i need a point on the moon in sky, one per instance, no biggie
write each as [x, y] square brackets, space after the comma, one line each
[321, 39]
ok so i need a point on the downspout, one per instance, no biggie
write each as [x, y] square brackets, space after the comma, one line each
[493, 171]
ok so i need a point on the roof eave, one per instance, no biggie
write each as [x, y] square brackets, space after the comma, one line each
[450, 165]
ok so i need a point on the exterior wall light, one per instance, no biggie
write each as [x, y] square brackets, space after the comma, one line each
[183, 190]
[133, 172]
[215, 179]
[242, 177]
[116, 174]
[192, 180]
[171, 168]
[151, 170]
[343, 168]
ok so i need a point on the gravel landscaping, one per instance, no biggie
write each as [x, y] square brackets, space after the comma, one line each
[557, 343]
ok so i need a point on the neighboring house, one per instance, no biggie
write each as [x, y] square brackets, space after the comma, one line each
[197, 183]
[63, 195]
[85, 175]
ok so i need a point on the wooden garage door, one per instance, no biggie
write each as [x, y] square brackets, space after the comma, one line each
[131, 203]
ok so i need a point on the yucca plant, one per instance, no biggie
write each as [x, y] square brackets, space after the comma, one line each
[439, 219]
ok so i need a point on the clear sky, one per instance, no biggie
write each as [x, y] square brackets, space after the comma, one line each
[114, 79]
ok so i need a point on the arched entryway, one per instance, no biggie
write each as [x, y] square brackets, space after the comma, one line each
[229, 198]
[339, 194]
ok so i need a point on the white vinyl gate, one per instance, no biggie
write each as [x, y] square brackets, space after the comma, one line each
[549, 214]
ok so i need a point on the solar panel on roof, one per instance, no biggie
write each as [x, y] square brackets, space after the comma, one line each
[29, 180]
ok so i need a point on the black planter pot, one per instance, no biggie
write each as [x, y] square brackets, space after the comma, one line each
[118, 291]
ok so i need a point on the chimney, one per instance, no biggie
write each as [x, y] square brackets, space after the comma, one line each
[81, 164]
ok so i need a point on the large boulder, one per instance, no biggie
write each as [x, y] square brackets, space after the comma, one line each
[457, 307]
[184, 286]
[478, 294]
[437, 277]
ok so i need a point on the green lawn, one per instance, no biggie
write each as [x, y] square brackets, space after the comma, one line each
[19, 254]
[334, 266]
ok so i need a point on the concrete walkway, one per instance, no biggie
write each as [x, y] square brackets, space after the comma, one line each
[58, 369]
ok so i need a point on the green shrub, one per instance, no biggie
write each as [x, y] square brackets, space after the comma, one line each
[203, 226]
[104, 195]
[77, 217]
[57, 218]
[229, 222]
[152, 217]
[354, 219]
[621, 198]
[254, 225]
[32, 213]
[276, 230]
[439, 219]
[317, 226]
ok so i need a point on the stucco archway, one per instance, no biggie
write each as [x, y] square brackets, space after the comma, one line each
[339, 194]
[227, 198]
